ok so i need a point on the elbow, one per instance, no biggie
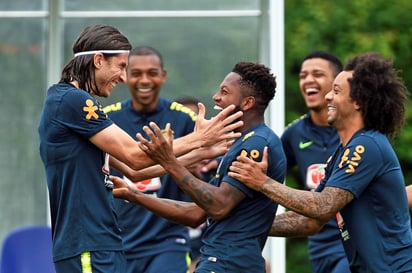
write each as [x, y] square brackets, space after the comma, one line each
[218, 215]
[195, 221]
[322, 218]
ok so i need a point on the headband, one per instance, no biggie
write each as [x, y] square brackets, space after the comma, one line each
[100, 51]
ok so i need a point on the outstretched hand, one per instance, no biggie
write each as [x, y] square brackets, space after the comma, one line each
[218, 128]
[250, 172]
[121, 189]
[160, 147]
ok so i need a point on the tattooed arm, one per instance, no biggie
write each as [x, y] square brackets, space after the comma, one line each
[321, 206]
[215, 201]
[292, 224]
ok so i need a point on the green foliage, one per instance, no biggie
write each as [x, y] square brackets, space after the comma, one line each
[346, 28]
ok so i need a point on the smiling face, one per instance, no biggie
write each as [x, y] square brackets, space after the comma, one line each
[109, 72]
[145, 77]
[341, 108]
[230, 92]
[315, 81]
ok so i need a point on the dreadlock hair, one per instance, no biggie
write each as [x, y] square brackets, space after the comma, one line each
[258, 81]
[379, 92]
[95, 37]
[327, 56]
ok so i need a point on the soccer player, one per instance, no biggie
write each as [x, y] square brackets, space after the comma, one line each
[363, 179]
[238, 218]
[75, 134]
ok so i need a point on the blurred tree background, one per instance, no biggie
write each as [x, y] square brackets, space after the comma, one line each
[345, 28]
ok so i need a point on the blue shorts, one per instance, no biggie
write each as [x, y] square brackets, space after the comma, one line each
[93, 262]
[166, 262]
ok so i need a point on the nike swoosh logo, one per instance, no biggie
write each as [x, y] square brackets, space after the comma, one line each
[303, 145]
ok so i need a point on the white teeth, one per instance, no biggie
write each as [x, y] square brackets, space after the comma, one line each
[311, 90]
[144, 90]
[217, 107]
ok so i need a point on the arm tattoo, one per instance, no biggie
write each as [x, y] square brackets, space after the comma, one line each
[198, 190]
[291, 224]
[318, 205]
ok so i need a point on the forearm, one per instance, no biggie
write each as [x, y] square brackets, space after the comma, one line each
[205, 195]
[320, 207]
[291, 224]
[153, 171]
[180, 212]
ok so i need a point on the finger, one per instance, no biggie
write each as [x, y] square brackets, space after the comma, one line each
[235, 116]
[243, 160]
[143, 147]
[156, 130]
[265, 154]
[222, 115]
[202, 110]
[169, 133]
[117, 181]
[232, 126]
[141, 138]
[149, 133]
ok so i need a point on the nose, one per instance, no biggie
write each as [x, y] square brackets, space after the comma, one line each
[329, 95]
[215, 97]
[123, 76]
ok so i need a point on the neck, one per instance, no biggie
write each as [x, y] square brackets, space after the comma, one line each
[250, 121]
[346, 133]
[75, 83]
[320, 118]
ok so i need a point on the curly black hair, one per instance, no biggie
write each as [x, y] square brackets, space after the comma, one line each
[379, 92]
[258, 79]
[95, 37]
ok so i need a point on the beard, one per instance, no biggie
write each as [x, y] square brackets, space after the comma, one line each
[237, 108]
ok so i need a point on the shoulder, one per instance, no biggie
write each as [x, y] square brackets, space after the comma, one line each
[261, 136]
[298, 125]
[370, 145]
[181, 110]
[115, 107]
[370, 138]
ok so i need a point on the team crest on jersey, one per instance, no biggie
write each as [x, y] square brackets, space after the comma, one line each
[91, 109]
[350, 160]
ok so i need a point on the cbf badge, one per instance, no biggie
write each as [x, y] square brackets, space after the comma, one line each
[314, 174]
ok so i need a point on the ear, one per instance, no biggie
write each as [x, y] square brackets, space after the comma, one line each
[357, 107]
[98, 59]
[248, 103]
[164, 73]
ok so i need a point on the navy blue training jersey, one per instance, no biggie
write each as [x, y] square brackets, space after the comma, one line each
[375, 225]
[308, 146]
[145, 234]
[235, 243]
[81, 202]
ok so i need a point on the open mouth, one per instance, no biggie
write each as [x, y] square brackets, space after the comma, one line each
[144, 90]
[311, 91]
